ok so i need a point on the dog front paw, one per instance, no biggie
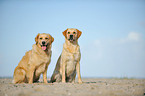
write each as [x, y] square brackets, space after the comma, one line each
[80, 82]
[63, 81]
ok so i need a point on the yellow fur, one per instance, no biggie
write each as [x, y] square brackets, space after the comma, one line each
[35, 62]
[69, 61]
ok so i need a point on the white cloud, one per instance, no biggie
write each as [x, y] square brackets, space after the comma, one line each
[111, 58]
[97, 42]
[132, 36]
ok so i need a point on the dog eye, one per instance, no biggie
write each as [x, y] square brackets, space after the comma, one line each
[40, 38]
[68, 32]
[74, 32]
[46, 38]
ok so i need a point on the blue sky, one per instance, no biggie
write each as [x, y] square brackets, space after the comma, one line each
[113, 33]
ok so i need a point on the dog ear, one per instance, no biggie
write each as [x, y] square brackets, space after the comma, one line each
[64, 33]
[78, 33]
[36, 38]
[51, 39]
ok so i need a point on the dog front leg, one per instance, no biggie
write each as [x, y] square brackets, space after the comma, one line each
[78, 73]
[45, 76]
[63, 72]
[31, 74]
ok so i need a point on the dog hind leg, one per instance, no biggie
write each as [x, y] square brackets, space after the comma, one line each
[19, 76]
[71, 77]
[56, 78]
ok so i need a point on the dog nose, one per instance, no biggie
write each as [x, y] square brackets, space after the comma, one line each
[71, 36]
[43, 42]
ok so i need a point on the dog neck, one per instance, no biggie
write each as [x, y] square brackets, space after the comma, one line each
[72, 47]
[48, 50]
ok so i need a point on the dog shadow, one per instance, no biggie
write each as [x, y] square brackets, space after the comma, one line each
[91, 82]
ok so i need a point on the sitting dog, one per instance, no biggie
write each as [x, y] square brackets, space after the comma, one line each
[69, 61]
[35, 62]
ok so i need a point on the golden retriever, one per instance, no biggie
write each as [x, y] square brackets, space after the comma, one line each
[35, 62]
[69, 61]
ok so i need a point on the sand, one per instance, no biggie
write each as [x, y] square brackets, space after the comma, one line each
[90, 87]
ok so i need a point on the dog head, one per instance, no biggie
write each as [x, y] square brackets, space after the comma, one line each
[43, 40]
[72, 34]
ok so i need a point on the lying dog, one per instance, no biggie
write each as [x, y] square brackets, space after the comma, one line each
[35, 62]
[69, 60]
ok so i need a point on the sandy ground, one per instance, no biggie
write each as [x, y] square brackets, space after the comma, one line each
[90, 87]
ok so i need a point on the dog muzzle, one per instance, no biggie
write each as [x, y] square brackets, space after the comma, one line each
[43, 46]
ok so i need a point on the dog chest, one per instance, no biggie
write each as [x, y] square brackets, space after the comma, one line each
[71, 61]
[41, 68]
[40, 63]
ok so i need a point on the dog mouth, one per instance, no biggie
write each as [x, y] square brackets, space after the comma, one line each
[44, 45]
[71, 38]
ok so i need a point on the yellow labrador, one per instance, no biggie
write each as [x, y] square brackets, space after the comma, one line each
[35, 62]
[69, 61]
